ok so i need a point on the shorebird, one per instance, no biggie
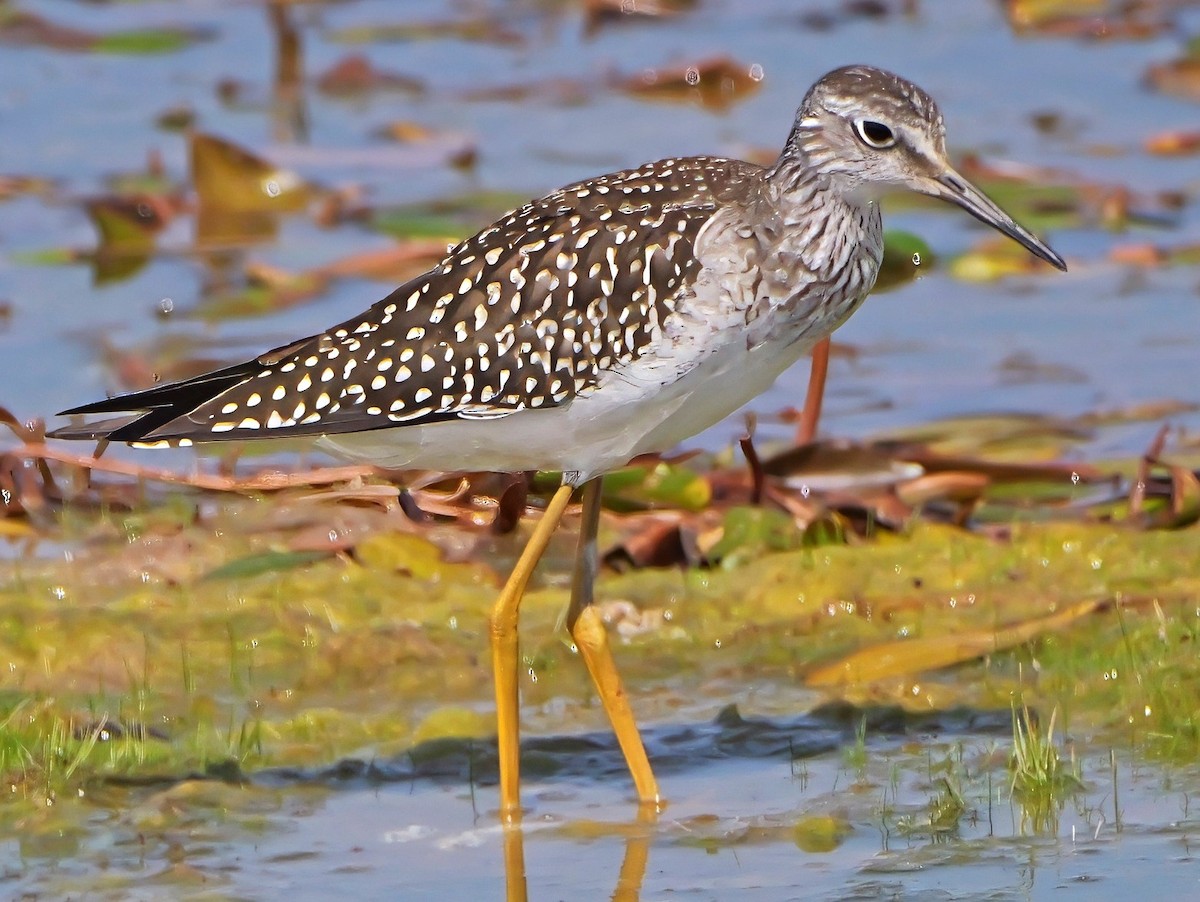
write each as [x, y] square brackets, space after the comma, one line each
[616, 316]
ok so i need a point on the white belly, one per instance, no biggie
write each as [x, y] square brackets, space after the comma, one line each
[649, 407]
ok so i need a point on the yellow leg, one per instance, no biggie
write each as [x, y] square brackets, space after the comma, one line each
[591, 638]
[504, 655]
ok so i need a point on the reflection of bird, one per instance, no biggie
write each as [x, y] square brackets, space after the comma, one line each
[616, 316]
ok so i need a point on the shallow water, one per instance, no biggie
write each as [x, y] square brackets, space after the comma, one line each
[754, 828]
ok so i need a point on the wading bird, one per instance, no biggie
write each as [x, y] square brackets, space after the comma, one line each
[614, 317]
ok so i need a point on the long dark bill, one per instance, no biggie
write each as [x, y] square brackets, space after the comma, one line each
[956, 189]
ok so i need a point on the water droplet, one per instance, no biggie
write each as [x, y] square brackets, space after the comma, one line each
[756, 72]
[916, 258]
[693, 76]
[717, 643]
[272, 188]
[166, 307]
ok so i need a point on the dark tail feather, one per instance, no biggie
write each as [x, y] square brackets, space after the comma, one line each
[158, 406]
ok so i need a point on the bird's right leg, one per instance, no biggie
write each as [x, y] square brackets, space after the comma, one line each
[591, 638]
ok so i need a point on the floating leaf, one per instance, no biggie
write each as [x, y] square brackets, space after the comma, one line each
[231, 179]
[28, 29]
[1180, 77]
[147, 41]
[1174, 143]
[478, 29]
[715, 84]
[452, 218]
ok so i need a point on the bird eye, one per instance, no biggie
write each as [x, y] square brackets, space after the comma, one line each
[874, 134]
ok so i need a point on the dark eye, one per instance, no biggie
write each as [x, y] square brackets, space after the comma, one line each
[874, 134]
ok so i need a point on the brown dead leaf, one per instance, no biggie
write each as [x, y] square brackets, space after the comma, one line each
[510, 506]
[1001, 471]
[355, 74]
[1181, 488]
[1179, 78]
[557, 91]
[1173, 143]
[599, 13]
[887, 660]
[658, 539]
[958, 486]
[393, 264]
[26, 29]
[1092, 19]
[839, 465]
[1143, 255]
[715, 84]
[14, 185]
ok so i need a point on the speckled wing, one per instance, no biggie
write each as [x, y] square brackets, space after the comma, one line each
[528, 313]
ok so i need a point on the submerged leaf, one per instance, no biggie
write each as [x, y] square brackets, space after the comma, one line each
[905, 256]
[266, 562]
[750, 531]
[912, 656]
